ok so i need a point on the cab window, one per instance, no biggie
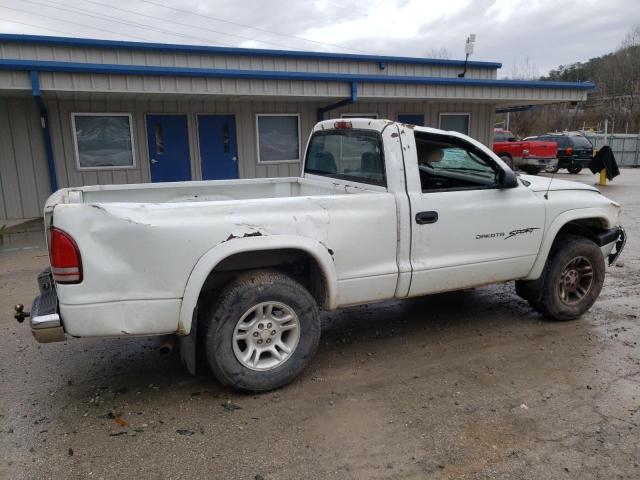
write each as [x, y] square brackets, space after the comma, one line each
[349, 154]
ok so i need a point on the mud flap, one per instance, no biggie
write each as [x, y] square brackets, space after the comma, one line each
[188, 345]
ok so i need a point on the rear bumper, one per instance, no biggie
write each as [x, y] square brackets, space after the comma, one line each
[573, 162]
[540, 162]
[46, 325]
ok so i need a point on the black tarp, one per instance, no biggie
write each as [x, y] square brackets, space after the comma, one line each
[605, 159]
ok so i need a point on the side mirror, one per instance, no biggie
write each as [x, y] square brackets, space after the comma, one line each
[507, 179]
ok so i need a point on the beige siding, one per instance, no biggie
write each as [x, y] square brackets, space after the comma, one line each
[27, 51]
[24, 178]
[71, 83]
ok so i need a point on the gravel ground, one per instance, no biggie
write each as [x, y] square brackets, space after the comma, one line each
[463, 385]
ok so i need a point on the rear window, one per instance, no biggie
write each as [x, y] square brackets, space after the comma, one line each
[503, 137]
[348, 154]
[581, 142]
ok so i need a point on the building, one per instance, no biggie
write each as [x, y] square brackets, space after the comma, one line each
[80, 112]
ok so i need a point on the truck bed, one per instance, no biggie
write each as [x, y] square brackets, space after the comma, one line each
[205, 191]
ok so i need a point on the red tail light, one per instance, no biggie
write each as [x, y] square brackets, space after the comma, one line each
[341, 124]
[66, 264]
[569, 151]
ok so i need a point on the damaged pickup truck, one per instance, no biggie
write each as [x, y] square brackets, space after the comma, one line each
[382, 210]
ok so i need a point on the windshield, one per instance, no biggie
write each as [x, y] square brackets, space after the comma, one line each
[349, 154]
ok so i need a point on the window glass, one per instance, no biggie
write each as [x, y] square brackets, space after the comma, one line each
[447, 164]
[278, 139]
[455, 122]
[581, 142]
[350, 154]
[103, 141]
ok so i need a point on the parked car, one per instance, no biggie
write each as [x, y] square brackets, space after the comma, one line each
[241, 268]
[575, 151]
[528, 155]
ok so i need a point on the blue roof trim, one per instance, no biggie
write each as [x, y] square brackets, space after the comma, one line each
[99, 68]
[167, 47]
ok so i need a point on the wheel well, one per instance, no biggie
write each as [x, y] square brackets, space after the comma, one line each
[584, 227]
[298, 264]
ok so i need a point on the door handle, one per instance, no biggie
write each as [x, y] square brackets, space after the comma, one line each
[426, 217]
[235, 159]
[153, 160]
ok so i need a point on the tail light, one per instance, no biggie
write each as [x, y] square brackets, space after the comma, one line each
[66, 264]
[342, 124]
[568, 151]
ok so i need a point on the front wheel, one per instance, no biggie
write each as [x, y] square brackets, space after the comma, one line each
[262, 332]
[573, 279]
[574, 170]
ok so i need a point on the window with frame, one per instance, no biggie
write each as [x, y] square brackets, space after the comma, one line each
[456, 122]
[448, 163]
[278, 138]
[349, 154]
[103, 140]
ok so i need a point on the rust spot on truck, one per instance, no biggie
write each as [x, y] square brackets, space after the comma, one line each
[252, 234]
[394, 135]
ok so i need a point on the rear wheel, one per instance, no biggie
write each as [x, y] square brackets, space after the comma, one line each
[532, 170]
[573, 279]
[262, 332]
[574, 170]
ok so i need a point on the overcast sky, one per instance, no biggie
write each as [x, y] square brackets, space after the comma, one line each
[547, 32]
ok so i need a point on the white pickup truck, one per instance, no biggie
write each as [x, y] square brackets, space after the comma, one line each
[382, 210]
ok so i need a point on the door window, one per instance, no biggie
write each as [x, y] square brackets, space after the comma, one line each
[452, 164]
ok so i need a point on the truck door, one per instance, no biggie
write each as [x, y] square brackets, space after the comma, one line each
[465, 230]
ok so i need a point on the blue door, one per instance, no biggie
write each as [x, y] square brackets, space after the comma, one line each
[413, 119]
[218, 149]
[168, 137]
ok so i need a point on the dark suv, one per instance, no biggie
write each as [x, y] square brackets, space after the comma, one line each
[575, 151]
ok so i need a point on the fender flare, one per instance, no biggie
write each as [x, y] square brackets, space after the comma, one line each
[551, 233]
[208, 262]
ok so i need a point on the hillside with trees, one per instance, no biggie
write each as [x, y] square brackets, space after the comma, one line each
[616, 98]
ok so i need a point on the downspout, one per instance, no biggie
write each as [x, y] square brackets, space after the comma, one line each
[341, 103]
[46, 133]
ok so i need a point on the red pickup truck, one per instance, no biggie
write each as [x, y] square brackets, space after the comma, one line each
[532, 156]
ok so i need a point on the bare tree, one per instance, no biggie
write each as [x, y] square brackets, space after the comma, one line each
[440, 53]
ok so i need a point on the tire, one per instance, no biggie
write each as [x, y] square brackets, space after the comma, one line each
[574, 170]
[531, 170]
[508, 160]
[236, 313]
[573, 279]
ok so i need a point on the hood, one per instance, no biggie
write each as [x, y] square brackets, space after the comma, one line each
[541, 184]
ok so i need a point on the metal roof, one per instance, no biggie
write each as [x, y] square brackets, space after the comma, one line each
[145, 70]
[176, 48]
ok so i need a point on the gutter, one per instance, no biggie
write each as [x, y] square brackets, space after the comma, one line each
[341, 103]
[46, 133]
[144, 70]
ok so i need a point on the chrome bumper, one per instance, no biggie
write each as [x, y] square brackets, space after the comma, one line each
[46, 325]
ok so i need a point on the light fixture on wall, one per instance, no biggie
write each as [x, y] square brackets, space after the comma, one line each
[468, 50]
